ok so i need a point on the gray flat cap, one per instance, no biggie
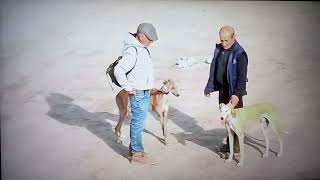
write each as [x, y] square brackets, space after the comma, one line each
[148, 30]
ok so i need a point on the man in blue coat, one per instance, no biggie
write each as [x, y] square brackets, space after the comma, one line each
[228, 74]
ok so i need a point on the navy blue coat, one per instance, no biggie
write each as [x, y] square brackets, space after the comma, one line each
[236, 69]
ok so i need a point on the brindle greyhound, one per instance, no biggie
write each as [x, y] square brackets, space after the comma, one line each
[159, 104]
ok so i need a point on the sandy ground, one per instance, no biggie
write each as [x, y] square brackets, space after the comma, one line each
[58, 112]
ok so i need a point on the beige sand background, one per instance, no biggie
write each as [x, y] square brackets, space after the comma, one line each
[58, 112]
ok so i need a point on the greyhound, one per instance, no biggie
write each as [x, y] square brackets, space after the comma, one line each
[159, 104]
[237, 120]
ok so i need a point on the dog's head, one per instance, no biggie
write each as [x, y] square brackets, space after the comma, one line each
[226, 111]
[169, 86]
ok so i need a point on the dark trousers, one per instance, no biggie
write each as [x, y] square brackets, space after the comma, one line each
[224, 97]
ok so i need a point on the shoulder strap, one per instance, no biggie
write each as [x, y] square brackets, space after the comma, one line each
[148, 52]
[136, 58]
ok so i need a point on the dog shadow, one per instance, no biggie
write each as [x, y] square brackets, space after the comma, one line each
[65, 111]
[210, 139]
[255, 144]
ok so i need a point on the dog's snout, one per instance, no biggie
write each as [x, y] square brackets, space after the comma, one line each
[176, 94]
[221, 118]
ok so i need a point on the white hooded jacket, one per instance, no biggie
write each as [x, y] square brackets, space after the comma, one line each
[141, 76]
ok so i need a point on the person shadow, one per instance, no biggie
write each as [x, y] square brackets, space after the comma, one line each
[210, 139]
[65, 111]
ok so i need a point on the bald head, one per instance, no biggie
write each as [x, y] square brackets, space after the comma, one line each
[227, 36]
[226, 30]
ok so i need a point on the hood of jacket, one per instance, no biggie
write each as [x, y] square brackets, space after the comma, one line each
[131, 40]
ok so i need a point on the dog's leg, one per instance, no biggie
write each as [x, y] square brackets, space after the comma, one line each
[117, 129]
[241, 144]
[281, 146]
[122, 100]
[274, 122]
[278, 133]
[165, 121]
[230, 134]
[161, 118]
[263, 126]
[122, 117]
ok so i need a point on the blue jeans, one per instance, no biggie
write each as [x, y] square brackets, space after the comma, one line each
[139, 109]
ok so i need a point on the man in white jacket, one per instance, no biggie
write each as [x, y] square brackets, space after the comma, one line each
[134, 73]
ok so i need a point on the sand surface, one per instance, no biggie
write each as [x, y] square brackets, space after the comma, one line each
[58, 111]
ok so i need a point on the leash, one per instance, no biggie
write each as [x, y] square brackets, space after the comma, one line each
[166, 93]
[160, 92]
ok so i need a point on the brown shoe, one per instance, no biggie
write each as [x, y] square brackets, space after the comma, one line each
[140, 157]
[130, 152]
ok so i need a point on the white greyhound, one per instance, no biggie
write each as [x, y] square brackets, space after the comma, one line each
[237, 120]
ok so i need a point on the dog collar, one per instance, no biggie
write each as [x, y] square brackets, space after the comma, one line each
[165, 92]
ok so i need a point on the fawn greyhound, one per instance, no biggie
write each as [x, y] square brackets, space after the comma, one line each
[236, 120]
[159, 104]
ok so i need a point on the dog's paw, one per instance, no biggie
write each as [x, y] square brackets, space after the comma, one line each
[228, 160]
[119, 141]
[165, 142]
[265, 155]
[279, 155]
[240, 164]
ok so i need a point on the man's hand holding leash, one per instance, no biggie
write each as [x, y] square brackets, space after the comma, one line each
[234, 100]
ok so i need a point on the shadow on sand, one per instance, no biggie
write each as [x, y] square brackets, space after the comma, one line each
[209, 139]
[65, 111]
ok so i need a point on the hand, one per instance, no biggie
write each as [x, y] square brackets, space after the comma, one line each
[234, 100]
[206, 93]
[132, 92]
[154, 90]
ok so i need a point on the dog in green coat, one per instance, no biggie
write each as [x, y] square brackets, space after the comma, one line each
[237, 120]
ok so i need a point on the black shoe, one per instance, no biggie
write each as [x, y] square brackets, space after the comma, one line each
[225, 149]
